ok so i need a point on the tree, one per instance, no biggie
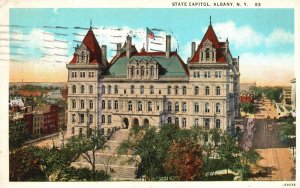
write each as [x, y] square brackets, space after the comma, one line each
[247, 107]
[18, 134]
[184, 160]
[248, 158]
[288, 134]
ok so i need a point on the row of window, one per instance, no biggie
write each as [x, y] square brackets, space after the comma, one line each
[82, 104]
[82, 89]
[91, 74]
[196, 122]
[207, 74]
[151, 90]
[143, 71]
[81, 118]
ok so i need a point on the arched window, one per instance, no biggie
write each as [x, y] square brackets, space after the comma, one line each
[176, 106]
[73, 103]
[130, 106]
[109, 89]
[207, 122]
[116, 90]
[152, 71]
[103, 89]
[218, 90]
[184, 107]
[116, 105]
[82, 104]
[73, 89]
[103, 119]
[169, 120]
[149, 106]
[132, 71]
[206, 90]
[218, 107]
[142, 90]
[196, 122]
[91, 89]
[184, 90]
[82, 55]
[91, 104]
[132, 89]
[73, 118]
[151, 89]
[82, 88]
[207, 53]
[109, 105]
[91, 119]
[176, 90]
[176, 121]
[196, 90]
[103, 104]
[169, 90]
[196, 107]
[207, 107]
[140, 106]
[169, 106]
[218, 124]
[184, 122]
[142, 71]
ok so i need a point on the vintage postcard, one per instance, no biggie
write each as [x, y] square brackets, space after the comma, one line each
[134, 94]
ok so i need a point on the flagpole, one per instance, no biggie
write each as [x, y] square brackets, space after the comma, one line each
[147, 40]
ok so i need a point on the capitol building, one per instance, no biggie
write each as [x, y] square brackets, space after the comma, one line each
[139, 87]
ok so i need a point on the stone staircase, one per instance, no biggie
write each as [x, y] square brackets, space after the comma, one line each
[117, 166]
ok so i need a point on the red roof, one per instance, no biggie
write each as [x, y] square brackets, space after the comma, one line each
[29, 93]
[92, 44]
[212, 37]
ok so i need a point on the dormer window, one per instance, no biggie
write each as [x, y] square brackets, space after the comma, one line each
[82, 56]
[207, 53]
[132, 71]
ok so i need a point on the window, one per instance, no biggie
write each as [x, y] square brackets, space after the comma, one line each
[109, 105]
[206, 90]
[184, 107]
[149, 106]
[196, 106]
[82, 55]
[130, 106]
[140, 106]
[81, 118]
[132, 89]
[74, 75]
[103, 104]
[196, 74]
[103, 119]
[152, 71]
[142, 71]
[169, 106]
[137, 71]
[91, 104]
[176, 106]
[218, 90]
[169, 90]
[142, 90]
[132, 71]
[91, 119]
[207, 107]
[116, 105]
[218, 108]
[176, 90]
[82, 74]
[73, 118]
[91, 74]
[73, 89]
[177, 121]
[73, 104]
[184, 90]
[91, 89]
[116, 90]
[184, 122]
[82, 89]
[207, 74]
[109, 119]
[169, 120]
[218, 74]
[196, 90]
[196, 122]
[207, 53]
[109, 89]
[103, 89]
[218, 124]
[82, 104]
[206, 122]
[151, 89]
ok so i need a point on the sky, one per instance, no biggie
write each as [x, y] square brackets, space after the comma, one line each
[42, 41]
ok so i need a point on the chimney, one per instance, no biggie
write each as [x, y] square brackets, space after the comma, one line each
[168, 46]
[193, 48]
[104, 54]
[128, 46]
[119, 48]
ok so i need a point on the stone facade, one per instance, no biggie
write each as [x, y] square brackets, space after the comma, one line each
[152, 87]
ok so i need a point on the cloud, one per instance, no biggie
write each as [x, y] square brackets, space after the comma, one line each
[279, 36]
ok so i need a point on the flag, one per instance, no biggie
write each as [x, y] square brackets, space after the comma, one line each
[150, 34]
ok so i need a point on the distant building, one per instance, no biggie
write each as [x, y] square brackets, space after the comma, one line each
[16, 102]
[38, 123]
[246, 98]
[293, 94]
[27, 93]
[286, 96]
[247, 86]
